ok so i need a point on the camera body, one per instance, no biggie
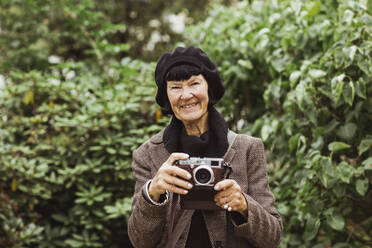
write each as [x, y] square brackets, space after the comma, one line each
[206, 172]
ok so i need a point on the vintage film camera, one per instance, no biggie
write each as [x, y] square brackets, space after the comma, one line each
[206, 172]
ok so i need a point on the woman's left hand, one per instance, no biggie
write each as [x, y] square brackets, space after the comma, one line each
[230, 196]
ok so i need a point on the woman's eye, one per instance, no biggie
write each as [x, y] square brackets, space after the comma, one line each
[175, 87]
[195, 83]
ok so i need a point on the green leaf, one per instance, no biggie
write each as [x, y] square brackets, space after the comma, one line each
[367, 163]
[327, 166]
[339, 190]
[364, 66]
[266, 131]
[352, 51]
[337, 146]
[347, 131]
[245, 63]
[311, 228]
[60, 217]
[313, 8]
[323, 176]
[369, 7]
[74, 243]
[283, 209]
[345, 171]
[29, 97]
[293, 78]
[341, 245]
[349, 93]
[362, 186]
[301, 94]
[111, 150]
[337, 86]
[337, 222]
[317, 73]
[95, 148]
[293, 142]
[360, 88]
[365, 145]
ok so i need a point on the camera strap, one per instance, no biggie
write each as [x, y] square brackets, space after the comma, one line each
[229, 231]
[229, 225]
[228, 170]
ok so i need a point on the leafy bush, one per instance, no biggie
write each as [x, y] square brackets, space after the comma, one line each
[298, 75]
[66, 152]
[68, 125]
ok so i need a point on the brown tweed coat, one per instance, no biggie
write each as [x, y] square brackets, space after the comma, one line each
[147, 225]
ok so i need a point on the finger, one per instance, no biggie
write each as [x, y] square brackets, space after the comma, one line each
[224, 200]
[229, 206]
[177, 156]
[177, 182]
[176, 171]
[228, 192]
[228, 195]
[237, 205]
[174, 189]
[236, 196]
[220, 203]
[224, 184]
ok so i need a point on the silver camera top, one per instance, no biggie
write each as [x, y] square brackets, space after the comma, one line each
[212, 162]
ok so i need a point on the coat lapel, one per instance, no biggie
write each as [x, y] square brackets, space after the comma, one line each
[158, 154]
[229, 155]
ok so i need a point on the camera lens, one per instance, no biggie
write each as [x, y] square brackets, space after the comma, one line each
[203, 176]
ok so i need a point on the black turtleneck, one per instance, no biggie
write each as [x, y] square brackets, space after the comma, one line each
[212, 143]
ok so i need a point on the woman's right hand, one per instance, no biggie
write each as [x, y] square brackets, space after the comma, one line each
[169, 178]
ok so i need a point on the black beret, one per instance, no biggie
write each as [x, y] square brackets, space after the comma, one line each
[194, 56]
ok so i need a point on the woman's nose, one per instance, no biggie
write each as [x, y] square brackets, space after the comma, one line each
[186, 93]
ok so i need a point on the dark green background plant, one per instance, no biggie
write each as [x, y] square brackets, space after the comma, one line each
[75, 105]
[299, 75]
[72, 110]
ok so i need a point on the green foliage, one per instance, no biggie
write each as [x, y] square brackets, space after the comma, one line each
[68, 126]
[73, 108]
[301, 71]
[66, 152]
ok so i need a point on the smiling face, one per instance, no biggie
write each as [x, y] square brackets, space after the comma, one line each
[189, 99]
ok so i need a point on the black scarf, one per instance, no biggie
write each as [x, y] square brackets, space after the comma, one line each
[212, 143]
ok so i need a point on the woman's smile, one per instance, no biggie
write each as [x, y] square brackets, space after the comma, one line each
[189, 106]
[189, 99]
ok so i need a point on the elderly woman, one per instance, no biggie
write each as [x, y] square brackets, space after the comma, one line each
[188, 86]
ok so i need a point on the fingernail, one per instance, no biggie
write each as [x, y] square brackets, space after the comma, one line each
[229, 209]
[186, 191]
[189, 176]
[190, 185]
[225, 206]
[216, 187]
